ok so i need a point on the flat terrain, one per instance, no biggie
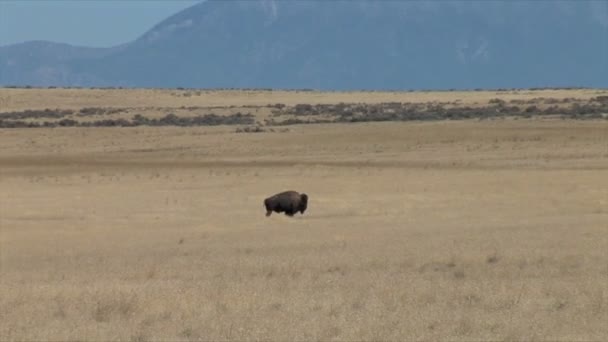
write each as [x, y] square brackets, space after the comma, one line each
[448, 230]
[20, 99]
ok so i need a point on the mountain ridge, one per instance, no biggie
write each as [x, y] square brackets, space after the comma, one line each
[341, 45]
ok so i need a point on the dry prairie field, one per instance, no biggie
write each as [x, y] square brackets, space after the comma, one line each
[471, 229]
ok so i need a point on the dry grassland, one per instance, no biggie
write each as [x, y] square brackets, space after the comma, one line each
[464, 230]
[21, 99]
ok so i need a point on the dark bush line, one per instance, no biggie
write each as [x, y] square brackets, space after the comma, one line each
[58, 113]
[17, 124]
[431, 111]
[295, 121]
[89, 111]
[349, 109]
[139, 120]
[601, 99]
[538, 100]
[595, 108]
[36, 114]
[201, 120]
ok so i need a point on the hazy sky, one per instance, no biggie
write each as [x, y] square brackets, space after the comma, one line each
[96, 23]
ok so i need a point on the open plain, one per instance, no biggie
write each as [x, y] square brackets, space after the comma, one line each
[444, 230]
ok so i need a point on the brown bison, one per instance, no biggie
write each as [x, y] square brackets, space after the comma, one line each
[289, 202]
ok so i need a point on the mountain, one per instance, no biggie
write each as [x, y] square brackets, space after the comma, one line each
[44, 63]
[341, 45]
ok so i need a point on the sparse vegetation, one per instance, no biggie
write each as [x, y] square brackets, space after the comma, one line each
[428, 112]
[137, 120]
[170, 108]
[36, 114]
[90, 111]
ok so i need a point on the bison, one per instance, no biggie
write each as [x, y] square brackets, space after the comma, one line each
[289, 202]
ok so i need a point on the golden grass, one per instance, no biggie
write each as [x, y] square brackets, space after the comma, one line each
[22, 99]
[492, 230]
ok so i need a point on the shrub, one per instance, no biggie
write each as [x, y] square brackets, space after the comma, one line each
[250, 129]
[91, 111]
[140, 120]
[67, 123]
[532, 109]
[303, 109]
[601, 99]
[497, 101]
[204, 120]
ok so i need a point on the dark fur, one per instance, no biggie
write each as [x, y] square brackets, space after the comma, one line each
[289, 202]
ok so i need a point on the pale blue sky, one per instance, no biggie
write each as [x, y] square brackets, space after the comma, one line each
[95, 23]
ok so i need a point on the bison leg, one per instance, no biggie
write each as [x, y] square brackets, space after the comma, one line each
[268, 207]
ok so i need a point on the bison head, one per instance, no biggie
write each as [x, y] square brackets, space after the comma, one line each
[303, 203]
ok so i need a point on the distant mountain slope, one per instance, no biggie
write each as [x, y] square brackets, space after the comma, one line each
[341, 45]
[46, 63]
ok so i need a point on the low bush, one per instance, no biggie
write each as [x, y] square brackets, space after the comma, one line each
[395, 111]
[251, 129]
[37, 114]
[138, 120]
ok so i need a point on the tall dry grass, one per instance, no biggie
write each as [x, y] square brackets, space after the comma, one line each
[415, 231]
